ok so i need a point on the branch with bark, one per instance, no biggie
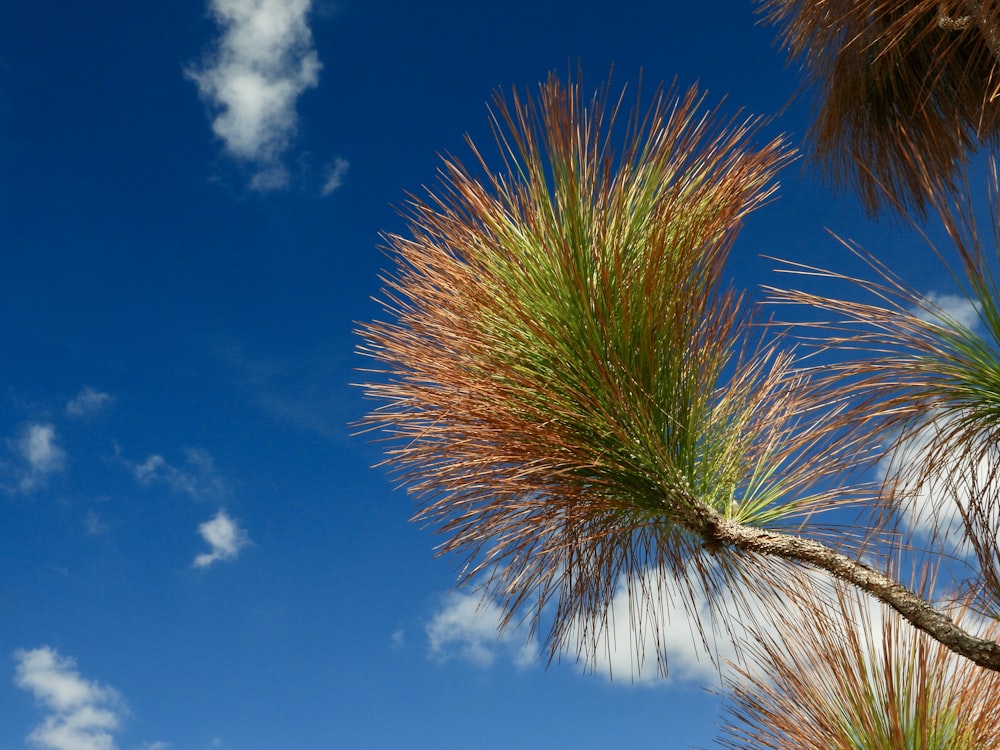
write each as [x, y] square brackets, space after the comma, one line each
[563, 353]
[719, 532]
[982, 14]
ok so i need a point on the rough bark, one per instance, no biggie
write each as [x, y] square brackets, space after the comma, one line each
[718, 531]
[989, 24]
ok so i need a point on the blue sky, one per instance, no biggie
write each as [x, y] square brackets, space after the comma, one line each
[196, 553]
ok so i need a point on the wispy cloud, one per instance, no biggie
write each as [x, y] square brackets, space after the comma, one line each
[398, 639]
[466, 627]
[952, 307]
[732, 623]
[294, 390]
[336, 173]
[198, 479]
[224, 536]
[933, 504]
[630, 650]
[93, 524]
[40, 455]
[261, 64]
[87, 401]
[79, 714]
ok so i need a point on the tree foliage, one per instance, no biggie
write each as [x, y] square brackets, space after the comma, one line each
[569, 372]
[903, 91]
[846, 673]
[581, 401]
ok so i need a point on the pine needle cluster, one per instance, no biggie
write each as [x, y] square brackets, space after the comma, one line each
[904, 92]
[567, 380]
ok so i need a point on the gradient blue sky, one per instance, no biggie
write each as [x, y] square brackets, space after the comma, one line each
[194, 552]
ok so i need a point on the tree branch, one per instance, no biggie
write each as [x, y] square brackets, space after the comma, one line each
[718, 530]
[953, 23]
[986, 22]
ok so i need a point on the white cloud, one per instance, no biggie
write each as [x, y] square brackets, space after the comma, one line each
[932, 508]
[643, 629]
[199, 480]
[336, 172]
[953, 307]
[93, 524]
[749, 616]
[87, 401]
[39, 449]
[224, 536]
[398, 639]
[149, 469]
[467, 628]
[41, 456]
[251, 81]
[80, 714]
[627, 651]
